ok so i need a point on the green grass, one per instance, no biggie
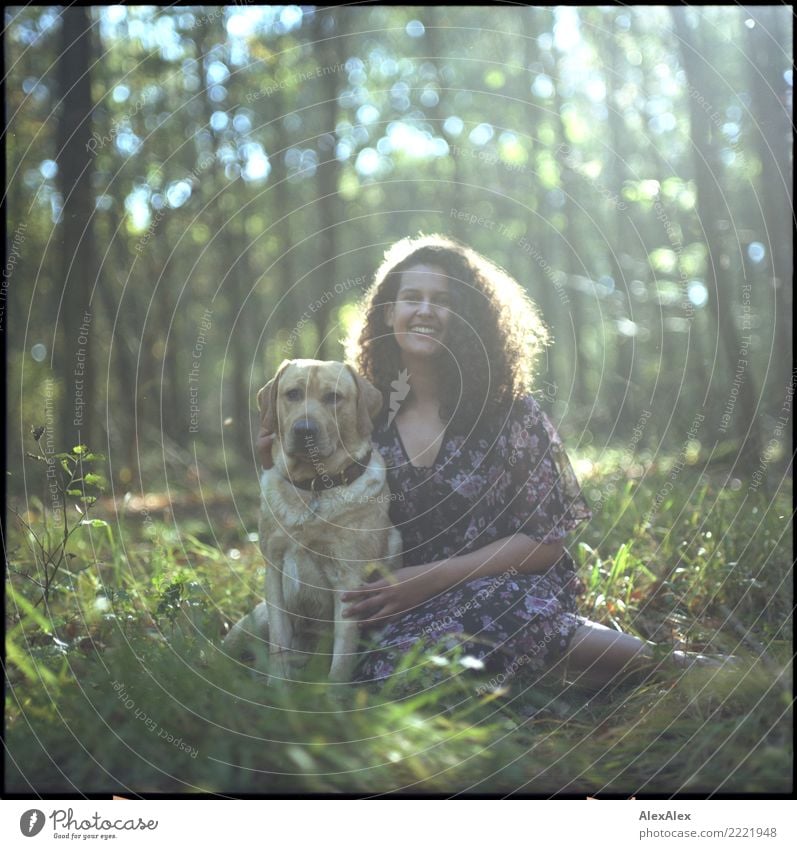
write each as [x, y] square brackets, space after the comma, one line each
[117, 684]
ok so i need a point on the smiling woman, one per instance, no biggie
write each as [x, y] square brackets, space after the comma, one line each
[482, 490]
[433, 298]
[488, 494]
[487, 491]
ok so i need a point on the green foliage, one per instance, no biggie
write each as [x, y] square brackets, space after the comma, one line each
[577, 137]
[556, 151]
[65, 478]
[125, 671]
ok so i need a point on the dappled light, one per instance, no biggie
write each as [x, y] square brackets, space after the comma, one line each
[197, 194]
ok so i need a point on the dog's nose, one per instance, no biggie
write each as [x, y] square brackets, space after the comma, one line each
[305, 429]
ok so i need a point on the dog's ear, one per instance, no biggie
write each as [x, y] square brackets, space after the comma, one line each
[267, 401]
[369, 402]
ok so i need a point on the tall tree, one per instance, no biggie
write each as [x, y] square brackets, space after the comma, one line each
[532, 24]
[573, 239]
[616, 172]
[75, 364]
[439, 21]
[767, 45]
[326, 27]
[711, 210]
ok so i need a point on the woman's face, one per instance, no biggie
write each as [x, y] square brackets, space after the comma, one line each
[421, 314]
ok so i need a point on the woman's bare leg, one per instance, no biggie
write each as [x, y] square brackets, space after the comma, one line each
[599, 655]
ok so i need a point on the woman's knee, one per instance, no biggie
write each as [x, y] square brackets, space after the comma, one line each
[594, 642]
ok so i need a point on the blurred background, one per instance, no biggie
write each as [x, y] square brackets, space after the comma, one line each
[195, 193]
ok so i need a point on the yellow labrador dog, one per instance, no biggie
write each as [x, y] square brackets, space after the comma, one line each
[324, 519]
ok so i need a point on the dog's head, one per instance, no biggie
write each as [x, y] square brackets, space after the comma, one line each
[322, 413]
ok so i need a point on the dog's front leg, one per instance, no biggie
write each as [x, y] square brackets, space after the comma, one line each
[347, 635]
[249, 636]
[280, 625]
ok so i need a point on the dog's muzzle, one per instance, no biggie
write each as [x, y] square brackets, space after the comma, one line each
[306, 439]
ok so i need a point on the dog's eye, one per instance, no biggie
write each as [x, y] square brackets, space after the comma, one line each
[332, 397]
[293, 394]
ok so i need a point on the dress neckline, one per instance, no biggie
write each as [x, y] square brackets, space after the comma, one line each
[407, 455]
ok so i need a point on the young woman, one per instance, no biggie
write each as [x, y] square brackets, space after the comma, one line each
[482, 490]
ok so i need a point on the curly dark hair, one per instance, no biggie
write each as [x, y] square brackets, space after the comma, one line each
[495, 332]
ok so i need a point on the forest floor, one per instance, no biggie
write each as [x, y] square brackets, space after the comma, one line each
[116, 682]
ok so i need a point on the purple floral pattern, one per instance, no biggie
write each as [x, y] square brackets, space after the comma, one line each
[478, 491]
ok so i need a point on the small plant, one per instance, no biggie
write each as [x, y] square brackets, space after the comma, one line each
[69, 483]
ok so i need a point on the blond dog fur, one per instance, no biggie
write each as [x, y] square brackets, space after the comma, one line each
[317, 545]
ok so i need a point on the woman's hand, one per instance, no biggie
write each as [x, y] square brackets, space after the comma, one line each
[380, 600]
[264, 442]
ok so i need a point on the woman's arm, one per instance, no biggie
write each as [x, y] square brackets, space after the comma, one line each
[518, 551]
[412, 585]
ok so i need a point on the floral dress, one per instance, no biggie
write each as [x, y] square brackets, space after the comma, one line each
[480, 490]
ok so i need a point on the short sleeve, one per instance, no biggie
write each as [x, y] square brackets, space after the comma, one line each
[545, 501]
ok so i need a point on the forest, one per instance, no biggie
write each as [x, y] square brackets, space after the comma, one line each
[195, 193]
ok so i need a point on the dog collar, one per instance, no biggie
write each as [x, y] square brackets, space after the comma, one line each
[325, 481]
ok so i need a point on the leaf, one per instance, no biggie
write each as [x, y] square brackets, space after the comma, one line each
[95, 523]
[80, 449]
[75, 492]
[620, 563]
[36, 672]
[29, 611]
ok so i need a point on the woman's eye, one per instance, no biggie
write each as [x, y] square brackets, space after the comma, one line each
[333, 397]
[293, 395]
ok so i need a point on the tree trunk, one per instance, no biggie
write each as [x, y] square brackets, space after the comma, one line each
[324, 26]
[711, 209]
[627, 407]
[438, 20]
[539, 286]
[571, 240]
[295, 304]
[769, 49]
[121, 372]
[74, 364]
